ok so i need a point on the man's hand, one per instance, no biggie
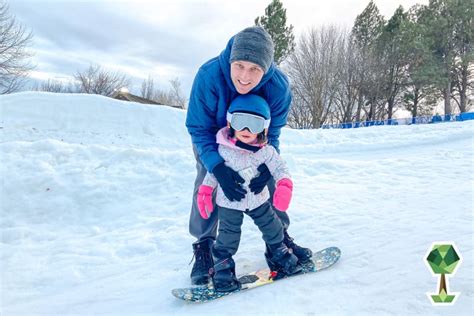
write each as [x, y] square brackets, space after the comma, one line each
[259, 182]
[230, 181]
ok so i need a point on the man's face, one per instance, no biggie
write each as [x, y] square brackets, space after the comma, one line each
[245, 75]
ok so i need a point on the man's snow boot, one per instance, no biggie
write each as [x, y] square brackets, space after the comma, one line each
[303, 254]
[281, 260]
[224, 275]
[203, 262]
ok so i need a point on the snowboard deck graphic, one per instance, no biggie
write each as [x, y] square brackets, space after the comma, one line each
[321, 260]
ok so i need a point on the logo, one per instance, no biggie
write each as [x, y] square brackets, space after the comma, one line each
[443, 259]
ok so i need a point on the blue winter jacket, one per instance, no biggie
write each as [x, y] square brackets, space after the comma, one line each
[211, 95]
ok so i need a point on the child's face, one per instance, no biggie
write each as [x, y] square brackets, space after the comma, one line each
[245, 136]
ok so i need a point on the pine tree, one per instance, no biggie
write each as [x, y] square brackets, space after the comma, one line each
[367, 28]
[420, 95]
[447, 30]
[389, 49]
[463, 11]
[274, 22]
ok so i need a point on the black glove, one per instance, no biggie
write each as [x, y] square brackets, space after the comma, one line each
[259, 182]
[230, 181]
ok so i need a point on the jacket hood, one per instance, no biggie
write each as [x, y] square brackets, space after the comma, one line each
[222, 138]
[224, 63]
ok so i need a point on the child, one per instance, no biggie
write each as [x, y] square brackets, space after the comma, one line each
[243, 145]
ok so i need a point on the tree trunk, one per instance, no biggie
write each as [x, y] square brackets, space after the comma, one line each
[463, 90]
[447, 98]
[415, 103]
[372, 110]
[359, 106]
[390, 108]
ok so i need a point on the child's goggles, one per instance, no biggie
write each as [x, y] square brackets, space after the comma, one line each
[239, 121]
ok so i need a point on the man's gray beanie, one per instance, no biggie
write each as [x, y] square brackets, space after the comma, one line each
[253, 44]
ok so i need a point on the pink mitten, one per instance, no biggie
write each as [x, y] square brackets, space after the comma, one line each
[204, 201]
[282, 195]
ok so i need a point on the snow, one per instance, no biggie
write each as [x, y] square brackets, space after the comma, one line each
[96, 195]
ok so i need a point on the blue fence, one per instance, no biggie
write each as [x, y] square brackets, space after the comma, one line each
[406, 121]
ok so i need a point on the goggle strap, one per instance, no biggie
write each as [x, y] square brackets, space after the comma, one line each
[267, 124]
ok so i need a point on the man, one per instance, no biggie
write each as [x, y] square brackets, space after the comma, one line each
[246, 65]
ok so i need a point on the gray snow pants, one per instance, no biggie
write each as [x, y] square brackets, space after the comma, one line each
[230, 223]
[204, 229]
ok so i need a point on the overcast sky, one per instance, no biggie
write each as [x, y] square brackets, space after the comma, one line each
[166, 39]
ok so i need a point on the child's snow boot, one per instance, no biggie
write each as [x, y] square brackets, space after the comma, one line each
[303, 254]
[281, 260]
[224, 275]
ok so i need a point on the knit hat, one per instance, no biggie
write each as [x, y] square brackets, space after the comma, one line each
[255, 45]
[250, 103]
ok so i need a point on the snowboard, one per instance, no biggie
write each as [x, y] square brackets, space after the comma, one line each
[321, 260]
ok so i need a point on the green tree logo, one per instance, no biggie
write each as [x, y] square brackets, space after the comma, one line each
[443, 259]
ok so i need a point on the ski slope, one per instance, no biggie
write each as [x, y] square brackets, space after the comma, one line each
[95, 199]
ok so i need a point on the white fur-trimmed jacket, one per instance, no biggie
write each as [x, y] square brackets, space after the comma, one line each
[246, 162]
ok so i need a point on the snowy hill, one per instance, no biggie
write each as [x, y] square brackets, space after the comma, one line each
[96, 195]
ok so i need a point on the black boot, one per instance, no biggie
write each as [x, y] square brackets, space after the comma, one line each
[224, 275]
[303, 254]
[281, 260]
[203, 263]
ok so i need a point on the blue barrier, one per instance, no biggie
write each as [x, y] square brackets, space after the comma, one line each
[405, 121]
[466, 116]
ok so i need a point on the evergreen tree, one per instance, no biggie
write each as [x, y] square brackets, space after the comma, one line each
[367, 28]
[274, 22]
[463, 12]
[446, 27]
[419, 95]
[389, 49]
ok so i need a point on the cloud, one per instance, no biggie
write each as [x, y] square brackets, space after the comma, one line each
[162, 38]
[139, 38]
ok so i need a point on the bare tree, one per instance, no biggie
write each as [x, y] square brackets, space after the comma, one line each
[176, 94]
[347, 70]
[313, 75]
[14, 40]
[150, 92]
[162, 97]
[95, 80]
[148, 88]
[56, 86]
[300, 115]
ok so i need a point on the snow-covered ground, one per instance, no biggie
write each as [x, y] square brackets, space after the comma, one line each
[95, 199]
